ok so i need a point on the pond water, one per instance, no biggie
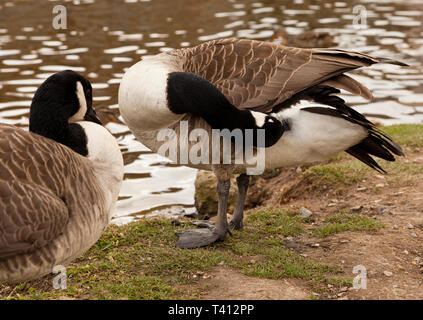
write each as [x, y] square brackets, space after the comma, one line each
[104, 37]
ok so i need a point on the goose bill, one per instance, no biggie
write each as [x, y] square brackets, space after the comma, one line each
[92, 116]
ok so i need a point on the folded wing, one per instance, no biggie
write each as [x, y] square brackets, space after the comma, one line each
[30, 217]
[260, 75]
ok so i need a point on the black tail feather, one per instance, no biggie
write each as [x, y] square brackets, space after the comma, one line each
[377, 143]
[386, 140]
[361, 155]
[374, 146]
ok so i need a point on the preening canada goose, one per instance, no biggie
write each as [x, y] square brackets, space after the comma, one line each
[58, 183]
[247, 84]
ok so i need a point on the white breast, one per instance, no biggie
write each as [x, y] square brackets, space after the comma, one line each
[142, 95]
[106, 158]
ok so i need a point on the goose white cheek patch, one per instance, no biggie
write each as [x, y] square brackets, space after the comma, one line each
[79, 116]
[259, 117]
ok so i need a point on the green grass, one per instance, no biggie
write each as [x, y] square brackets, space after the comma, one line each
[345, 172]
[410, 135]
[344, 169]
[266, 240]
[140, 261]
[349, 171]
[347, 222]
[276, 222]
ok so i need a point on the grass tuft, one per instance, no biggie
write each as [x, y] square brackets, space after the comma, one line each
[410, 135]
[347, 222]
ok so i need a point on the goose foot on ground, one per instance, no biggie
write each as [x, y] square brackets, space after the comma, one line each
[204, 224]
[209, 233]
[197, 238]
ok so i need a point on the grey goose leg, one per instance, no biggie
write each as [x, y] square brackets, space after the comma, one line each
[203, 237]
[237, 223]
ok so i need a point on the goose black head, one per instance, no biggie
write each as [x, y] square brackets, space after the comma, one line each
[63, 99]
[274, 128]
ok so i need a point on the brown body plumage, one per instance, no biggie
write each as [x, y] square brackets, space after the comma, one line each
[54, 202]
[52, 208]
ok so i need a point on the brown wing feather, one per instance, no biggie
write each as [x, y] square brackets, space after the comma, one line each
[39, 180]
[30, 217]
[259, 75]
[349, 84]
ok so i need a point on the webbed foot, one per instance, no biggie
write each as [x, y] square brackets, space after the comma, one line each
[197, 238]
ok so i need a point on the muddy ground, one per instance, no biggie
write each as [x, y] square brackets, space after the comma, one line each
[392, 256]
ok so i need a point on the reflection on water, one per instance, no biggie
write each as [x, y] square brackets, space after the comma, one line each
[105, 37]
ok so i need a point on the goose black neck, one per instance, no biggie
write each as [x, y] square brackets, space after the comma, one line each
[190, 93]
[48, 120]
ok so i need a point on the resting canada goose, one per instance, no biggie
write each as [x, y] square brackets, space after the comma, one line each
[248, 84]
[56, 197]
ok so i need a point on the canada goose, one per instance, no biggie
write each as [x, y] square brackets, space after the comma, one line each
[248, 84]
[58, 183]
